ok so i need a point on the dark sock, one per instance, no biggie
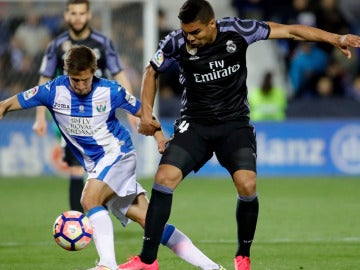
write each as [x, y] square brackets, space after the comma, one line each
[246, 217]
[75, 189]
[157, 215]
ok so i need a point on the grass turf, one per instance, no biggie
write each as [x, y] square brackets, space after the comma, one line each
[309, 223]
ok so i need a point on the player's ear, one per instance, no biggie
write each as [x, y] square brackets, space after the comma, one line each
[212, 23]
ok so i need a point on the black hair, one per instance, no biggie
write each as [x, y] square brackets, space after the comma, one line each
[196, 10]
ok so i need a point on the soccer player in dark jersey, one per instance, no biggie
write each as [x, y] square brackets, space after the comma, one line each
[78, 15]
[215, 113]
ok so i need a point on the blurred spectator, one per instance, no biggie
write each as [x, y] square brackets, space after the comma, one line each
[32, 35]
[250, 9]
[325, 87]
[351, 11]
[162, 23]
[307, 64]
[330, 18]
[299, 12]
[354, 88]
[261, 9]
[267, 102]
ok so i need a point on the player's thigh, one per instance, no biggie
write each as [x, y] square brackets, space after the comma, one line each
[187, 151]
[95, 193]
[237, 150]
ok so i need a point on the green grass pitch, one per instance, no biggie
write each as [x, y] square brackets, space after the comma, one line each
[304, 223]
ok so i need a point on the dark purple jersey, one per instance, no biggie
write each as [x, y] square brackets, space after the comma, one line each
[214, 76]
[108, 59]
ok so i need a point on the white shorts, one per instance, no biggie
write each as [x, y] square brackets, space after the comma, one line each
[121, 178]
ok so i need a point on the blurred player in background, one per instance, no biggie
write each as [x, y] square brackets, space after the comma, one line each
[214, 115]
[104, 148]
[77, 16]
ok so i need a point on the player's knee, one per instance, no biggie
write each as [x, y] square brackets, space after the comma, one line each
[168, 176]
[245, 182]
[87, 202]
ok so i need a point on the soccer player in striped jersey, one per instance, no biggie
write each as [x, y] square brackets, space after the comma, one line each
[211, 54]
[83, 107]
[78, 16]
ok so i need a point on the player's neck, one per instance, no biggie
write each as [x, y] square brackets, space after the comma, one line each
[80, 35]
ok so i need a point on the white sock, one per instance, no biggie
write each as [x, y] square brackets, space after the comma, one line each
[182, 246]
[103, 235]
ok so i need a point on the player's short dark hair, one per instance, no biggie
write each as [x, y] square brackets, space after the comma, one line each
[79, 58]
[76, 2]
[196, 10]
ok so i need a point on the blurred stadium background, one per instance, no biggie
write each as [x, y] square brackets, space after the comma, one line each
[320, 136]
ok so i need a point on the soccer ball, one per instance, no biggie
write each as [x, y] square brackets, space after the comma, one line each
[72, 230]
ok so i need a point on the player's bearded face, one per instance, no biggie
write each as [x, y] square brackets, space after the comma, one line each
[77, 17]
[81, 83]
[78, 28]
[199, 34]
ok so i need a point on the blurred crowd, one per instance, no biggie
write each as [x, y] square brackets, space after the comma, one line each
[318, 74]
[314, 71]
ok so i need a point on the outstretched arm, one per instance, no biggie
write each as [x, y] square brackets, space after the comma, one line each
[10, 104]
[307, 33]
[40, 124]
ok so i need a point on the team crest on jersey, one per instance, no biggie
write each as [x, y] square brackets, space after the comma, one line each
[101, 106]
[30, 93]
[158, 58]
[230, 46]
[81, 108]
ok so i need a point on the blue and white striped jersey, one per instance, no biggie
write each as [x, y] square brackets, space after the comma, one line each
[87, 123]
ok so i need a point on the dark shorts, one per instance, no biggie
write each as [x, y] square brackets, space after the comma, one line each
[193, 144]
[69, 157]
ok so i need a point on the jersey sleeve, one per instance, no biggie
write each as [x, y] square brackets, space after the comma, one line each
[49, 62]
[36, 96]
[113, 60]
[251, 30]
[124, 100]
[167, 51]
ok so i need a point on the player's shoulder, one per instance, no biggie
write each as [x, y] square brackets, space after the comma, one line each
[98, 36]
[174, 39]
[239, 25]
[60, 39]
[105, 83]
[59, 80]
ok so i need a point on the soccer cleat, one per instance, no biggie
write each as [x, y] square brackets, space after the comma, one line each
[242, 263]
[135, 263]
[100, 267]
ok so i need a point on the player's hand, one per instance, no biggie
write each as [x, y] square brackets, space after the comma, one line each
[162, 146]
[346, 42]
[148, 127]
[40, 127]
